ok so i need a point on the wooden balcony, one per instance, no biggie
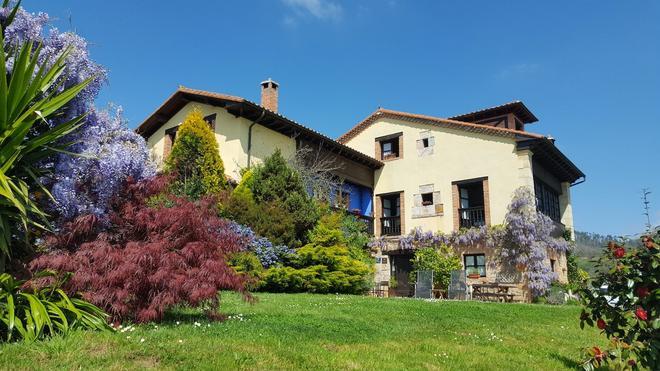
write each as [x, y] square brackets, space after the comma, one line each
[472, 217]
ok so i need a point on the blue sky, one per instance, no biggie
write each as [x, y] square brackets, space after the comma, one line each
[589, 70]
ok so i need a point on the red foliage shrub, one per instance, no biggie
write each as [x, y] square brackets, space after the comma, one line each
[155, 251]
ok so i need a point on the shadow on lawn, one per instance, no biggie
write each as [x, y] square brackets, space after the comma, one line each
[190, 315]
[569, 363]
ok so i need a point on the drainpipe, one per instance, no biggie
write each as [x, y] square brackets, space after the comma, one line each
[249, 149]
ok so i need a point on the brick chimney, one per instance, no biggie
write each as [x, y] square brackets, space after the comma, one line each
[269, 90]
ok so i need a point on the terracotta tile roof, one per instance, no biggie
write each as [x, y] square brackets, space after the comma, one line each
[413, 117]
[252, 111]
[516, 107]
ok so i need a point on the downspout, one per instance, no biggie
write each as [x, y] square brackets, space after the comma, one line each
[249, 149]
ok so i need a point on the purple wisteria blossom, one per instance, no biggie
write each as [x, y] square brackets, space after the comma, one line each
[110, 152]
[528, 239]
[522, 242]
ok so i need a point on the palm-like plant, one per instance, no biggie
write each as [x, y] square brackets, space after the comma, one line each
[44, 312]
[31, 93]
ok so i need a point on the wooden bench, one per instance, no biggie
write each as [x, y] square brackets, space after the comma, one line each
[492, 292]
[501, 297]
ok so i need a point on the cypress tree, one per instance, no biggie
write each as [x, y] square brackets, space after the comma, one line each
[195, 159]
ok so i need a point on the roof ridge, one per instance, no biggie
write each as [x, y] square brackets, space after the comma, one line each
[351, 133]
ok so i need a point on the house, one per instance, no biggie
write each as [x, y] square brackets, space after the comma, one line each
[447, 174]
[400, 170]
[248, 132]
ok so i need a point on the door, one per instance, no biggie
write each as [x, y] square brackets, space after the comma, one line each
[401, 268]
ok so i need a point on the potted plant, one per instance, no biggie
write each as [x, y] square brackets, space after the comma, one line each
[473, 273]
[392, 287]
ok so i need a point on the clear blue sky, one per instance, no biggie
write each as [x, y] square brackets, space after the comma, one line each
[590, 70]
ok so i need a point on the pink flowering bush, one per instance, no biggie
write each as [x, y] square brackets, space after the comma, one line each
[624, 303]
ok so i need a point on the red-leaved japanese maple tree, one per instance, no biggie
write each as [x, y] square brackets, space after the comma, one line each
[154, 251]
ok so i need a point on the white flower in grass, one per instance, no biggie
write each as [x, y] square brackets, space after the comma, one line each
[142, 340]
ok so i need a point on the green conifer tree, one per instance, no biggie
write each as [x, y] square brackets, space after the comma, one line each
[195, 159]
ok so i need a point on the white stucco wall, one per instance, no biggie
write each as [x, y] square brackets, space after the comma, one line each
[232, 135]
[457, 155]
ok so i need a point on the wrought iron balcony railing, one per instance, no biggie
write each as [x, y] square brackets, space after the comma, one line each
[390, 225]
[472, 217]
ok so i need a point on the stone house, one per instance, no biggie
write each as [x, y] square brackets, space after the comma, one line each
[446, 174]
[400, 170]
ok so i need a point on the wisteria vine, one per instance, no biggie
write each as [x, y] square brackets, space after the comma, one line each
[111, 151]
[522, 242]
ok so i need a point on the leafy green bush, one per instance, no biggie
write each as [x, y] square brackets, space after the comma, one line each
[195, 159]
[625, 304]
[357, 238]
[247, 264]
[46, 311]
[31, 93]
[441, 261]
[279, 186]
[324, 265]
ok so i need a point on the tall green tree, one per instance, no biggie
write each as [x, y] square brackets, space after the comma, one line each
[275, 182]
[29, 95]
[195, 159]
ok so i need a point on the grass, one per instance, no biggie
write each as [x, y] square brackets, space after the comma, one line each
[303, 331]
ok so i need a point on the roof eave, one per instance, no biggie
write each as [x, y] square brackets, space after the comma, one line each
[550, 154]
[184, 95]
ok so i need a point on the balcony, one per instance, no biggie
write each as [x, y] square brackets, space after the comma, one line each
[368, 221]
[390, 226]
[472, 217]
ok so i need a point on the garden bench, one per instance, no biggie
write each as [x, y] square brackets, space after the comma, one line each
[492, 292]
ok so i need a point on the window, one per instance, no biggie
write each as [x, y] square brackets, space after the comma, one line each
[475, 264]
[210, 119]
[427, 199]
[342, 199]
[547, 200]
[171, 133]
[383, 260]
[552, 265]
[465, 198]
[391, 205]
[389, 148]
[390, 222]
[425, 144]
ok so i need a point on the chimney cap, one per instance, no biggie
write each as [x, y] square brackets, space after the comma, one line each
[265, 83]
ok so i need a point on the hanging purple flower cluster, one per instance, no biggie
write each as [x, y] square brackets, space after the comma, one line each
[85, 185]
[528, 239]
[486, 236]
[268, 254]
[110, 151]
[523, 241]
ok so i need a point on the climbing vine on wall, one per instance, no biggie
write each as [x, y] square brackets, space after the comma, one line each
[522, 242]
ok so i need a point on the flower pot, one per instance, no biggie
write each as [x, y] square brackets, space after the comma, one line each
[474, 276]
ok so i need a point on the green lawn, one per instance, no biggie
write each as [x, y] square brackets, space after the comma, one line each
[302, 331]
